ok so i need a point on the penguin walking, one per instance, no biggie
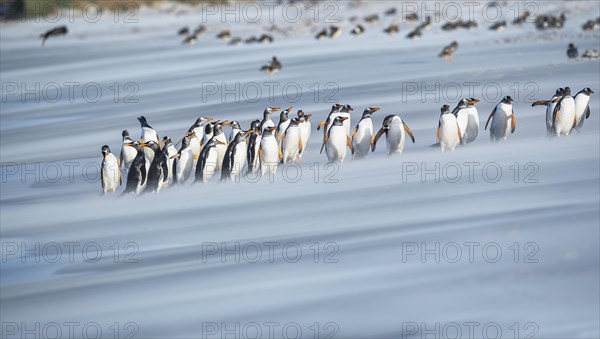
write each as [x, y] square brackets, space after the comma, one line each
[183, 165]
[207, 166]
[272, 67]
[362, 136]
[448, 132]
[572, 52]
[254, 139]
[504, 121]
[158, 173]
[196, 136]
[267, 121]
[235, 129]
[345, 112]
[550, 104]
[305, 130]
[170, 151]
[136, 177]
[208, 132]
[394, 128]
[563, 118]
[221, 144]
[270, 152]
[291, 144]
[148, 133]
[110, 173]
[462, 117]
[336, 141]
[582, 107]
[473, 122]
[127, 154]
[235, 157]
[334, 113]
[284, 122]
[448, 51]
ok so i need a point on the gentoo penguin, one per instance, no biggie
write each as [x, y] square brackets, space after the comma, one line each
[334, 31]
[462, 116]
[207, 166]
[267, 121]
[196, 133]
[284, 122]
[110, 173]
[224, 35]
[148, 133]
[57, 31]
[362, 136]
[357, 30]
[189, 40]
[235, 41]
[448, 132]
[392, 29]
[222, 143]
[270, 153]
[235, 129]
[235, 157]
[170, 151]
[345, 112]
[136, 177]
[563, 118]
[208, 132]
[336, 141]
[128, 153]
[572, 52]
[291, 142]
[183, 31]
[372, 19]
[582, 108]
[499, 26]
[305, 130]
[265, 39]
[504, 121]
[322, 34]
[415, 34]
[473, 124]
[334, 113]
[254, 148]
[449, 50]
[272, 66]
[550, 104]
[199, 30]
[158, 173]
[183, 165]
[394, 129]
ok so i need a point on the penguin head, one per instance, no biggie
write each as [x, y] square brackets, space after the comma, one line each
[284, 115]
[445, 109]
[507, 100]
[339, 121]
[269, 110]
[369, 111]
[151, 145]
[208, 129]
[166, 142]
[125, 133]
[255, 126]
[567, 91]
[200, 121]
[185, 143]
[336, 108]
[105, 150]
[234, 124]
[571, 45]
[559, 92]
[268, 130]
[347, 108]
[387, 122]
[472, 101]
[218, 129]
[588, 91]
[143, 121]
[296, 121]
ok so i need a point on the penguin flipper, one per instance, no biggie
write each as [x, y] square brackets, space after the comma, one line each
[102, 175]
[587, 111]
[540, 103]
[513, 123]
[324, 142]
[300, 145]
[379, 134]
[119, 161]
[165, 170]
[175, 171]
[407, 129]
[280, 154]
[438, 135]
[143, 170]
[355, 132]
[349, 144]
[556, 112]
[490, 117]
[321, 124]
[460, 138]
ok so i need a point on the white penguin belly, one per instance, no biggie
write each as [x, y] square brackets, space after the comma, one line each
[211, 165]
[581, 102]
[362, 139]
[110, 173]
[336, 144]
[239, 159]
[305, 132]
[184, 166]
[448, 132]
[395, 138]
[270, 155]
[462, 120]
[291, 143]
[565, 119]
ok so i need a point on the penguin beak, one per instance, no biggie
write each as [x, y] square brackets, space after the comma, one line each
[290, 109]
[375, 109]
[144, 145]
[209, 119]
[307, 116]
[343, 118]
[473, 102]
[220, 142]
[248, 132]
[128, 144]
[272, 128]
[276, 109]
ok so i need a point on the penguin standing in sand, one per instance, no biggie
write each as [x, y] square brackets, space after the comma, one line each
[336, 141]
[503, 119]
[110, 173]
[362, 136]
[448, 132]
[395, 131]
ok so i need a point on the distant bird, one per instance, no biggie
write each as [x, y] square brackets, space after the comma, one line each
[183, 31]
[572, 52]
[110, 174]
[449, 50]
[199, 30]
[251, 40]
[57, 31]
[394, 129]
[272, 67]
[415, 34]
[265, 39]
[372, 19]
[334, 31]
[591, 54]
[503, 119]
[235, 41]
[591, 25]
[391, 11]
[357, 30]
[521, 18]
[499, 26]
[543, 22]
[469, 24]
[411, 17]
[189, 40]
[322, 34]
[392, 29]
[224, 35]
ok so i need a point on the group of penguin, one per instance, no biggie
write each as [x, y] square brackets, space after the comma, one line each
[151, 163]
